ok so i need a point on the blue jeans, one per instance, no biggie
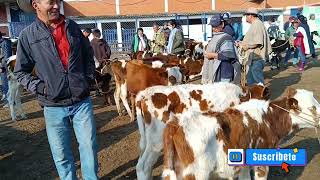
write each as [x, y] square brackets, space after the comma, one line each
[59, 122]
[288, 55]
[255, 74]
[298, 53]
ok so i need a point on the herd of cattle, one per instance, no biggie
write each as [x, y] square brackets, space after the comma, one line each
[194, 125]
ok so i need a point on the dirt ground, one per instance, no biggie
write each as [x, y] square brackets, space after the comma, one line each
[25, 153]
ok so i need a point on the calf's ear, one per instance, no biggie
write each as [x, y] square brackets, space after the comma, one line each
[293, 104]
[291, 92]
[266, 93]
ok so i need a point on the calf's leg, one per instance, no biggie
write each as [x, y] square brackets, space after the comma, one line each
[123, 96]
[18, 103]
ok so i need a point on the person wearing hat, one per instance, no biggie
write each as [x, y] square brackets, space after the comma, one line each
[6, 52]
[289, 36]
[220, 59]
[227, 26]
[64, 63]
[257, 44]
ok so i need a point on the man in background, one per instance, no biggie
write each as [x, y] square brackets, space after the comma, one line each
[257, 44]
[165, 29]
[86, 32]
[101, 49]
[158, 41]
[227, 25]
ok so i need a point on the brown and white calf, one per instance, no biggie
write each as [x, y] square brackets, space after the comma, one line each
[156, 104]
[196, 144]
[134, 76]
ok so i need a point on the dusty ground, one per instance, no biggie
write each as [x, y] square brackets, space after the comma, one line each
[25, 153]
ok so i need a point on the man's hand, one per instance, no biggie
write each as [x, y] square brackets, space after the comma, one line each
[210, 56]
[243, 46]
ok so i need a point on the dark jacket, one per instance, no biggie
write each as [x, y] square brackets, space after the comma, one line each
[101, 49]
[228, 29]
[54, 85]
[305, 25]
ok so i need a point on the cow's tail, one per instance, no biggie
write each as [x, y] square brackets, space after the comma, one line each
[169, 153]
[140, 120]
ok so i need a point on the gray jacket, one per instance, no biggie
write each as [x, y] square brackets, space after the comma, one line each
[222, 44]
[54, 85]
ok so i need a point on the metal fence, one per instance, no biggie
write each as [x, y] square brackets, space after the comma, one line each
[120, 40]
[16, 27]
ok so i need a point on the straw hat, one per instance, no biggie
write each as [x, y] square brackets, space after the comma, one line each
[26, 6]
[251, 11]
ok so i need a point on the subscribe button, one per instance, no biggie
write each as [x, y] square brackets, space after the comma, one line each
[267, 157]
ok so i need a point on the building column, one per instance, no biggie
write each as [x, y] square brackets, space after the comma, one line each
[117, 7]
[166, 6]
[119, 35]
[213, 4]
[7, 5]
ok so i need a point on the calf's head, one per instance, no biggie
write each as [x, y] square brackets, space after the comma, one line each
[304, 108]
[256, 91]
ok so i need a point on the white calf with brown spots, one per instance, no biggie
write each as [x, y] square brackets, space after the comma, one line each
[156, 104]
[196, 144]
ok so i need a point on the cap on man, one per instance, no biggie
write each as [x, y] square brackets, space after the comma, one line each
[219, 55]
[64, 63]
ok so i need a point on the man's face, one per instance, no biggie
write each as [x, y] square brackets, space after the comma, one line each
[86, 34]
[170, 26]
[47, 10]
[155, 28]
[249, 18]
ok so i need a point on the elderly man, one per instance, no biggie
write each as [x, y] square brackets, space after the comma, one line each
[257, 44]
[220, 62]
[56, 47]
[158, 42]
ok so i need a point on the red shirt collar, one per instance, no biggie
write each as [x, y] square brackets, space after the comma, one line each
[59, 22]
